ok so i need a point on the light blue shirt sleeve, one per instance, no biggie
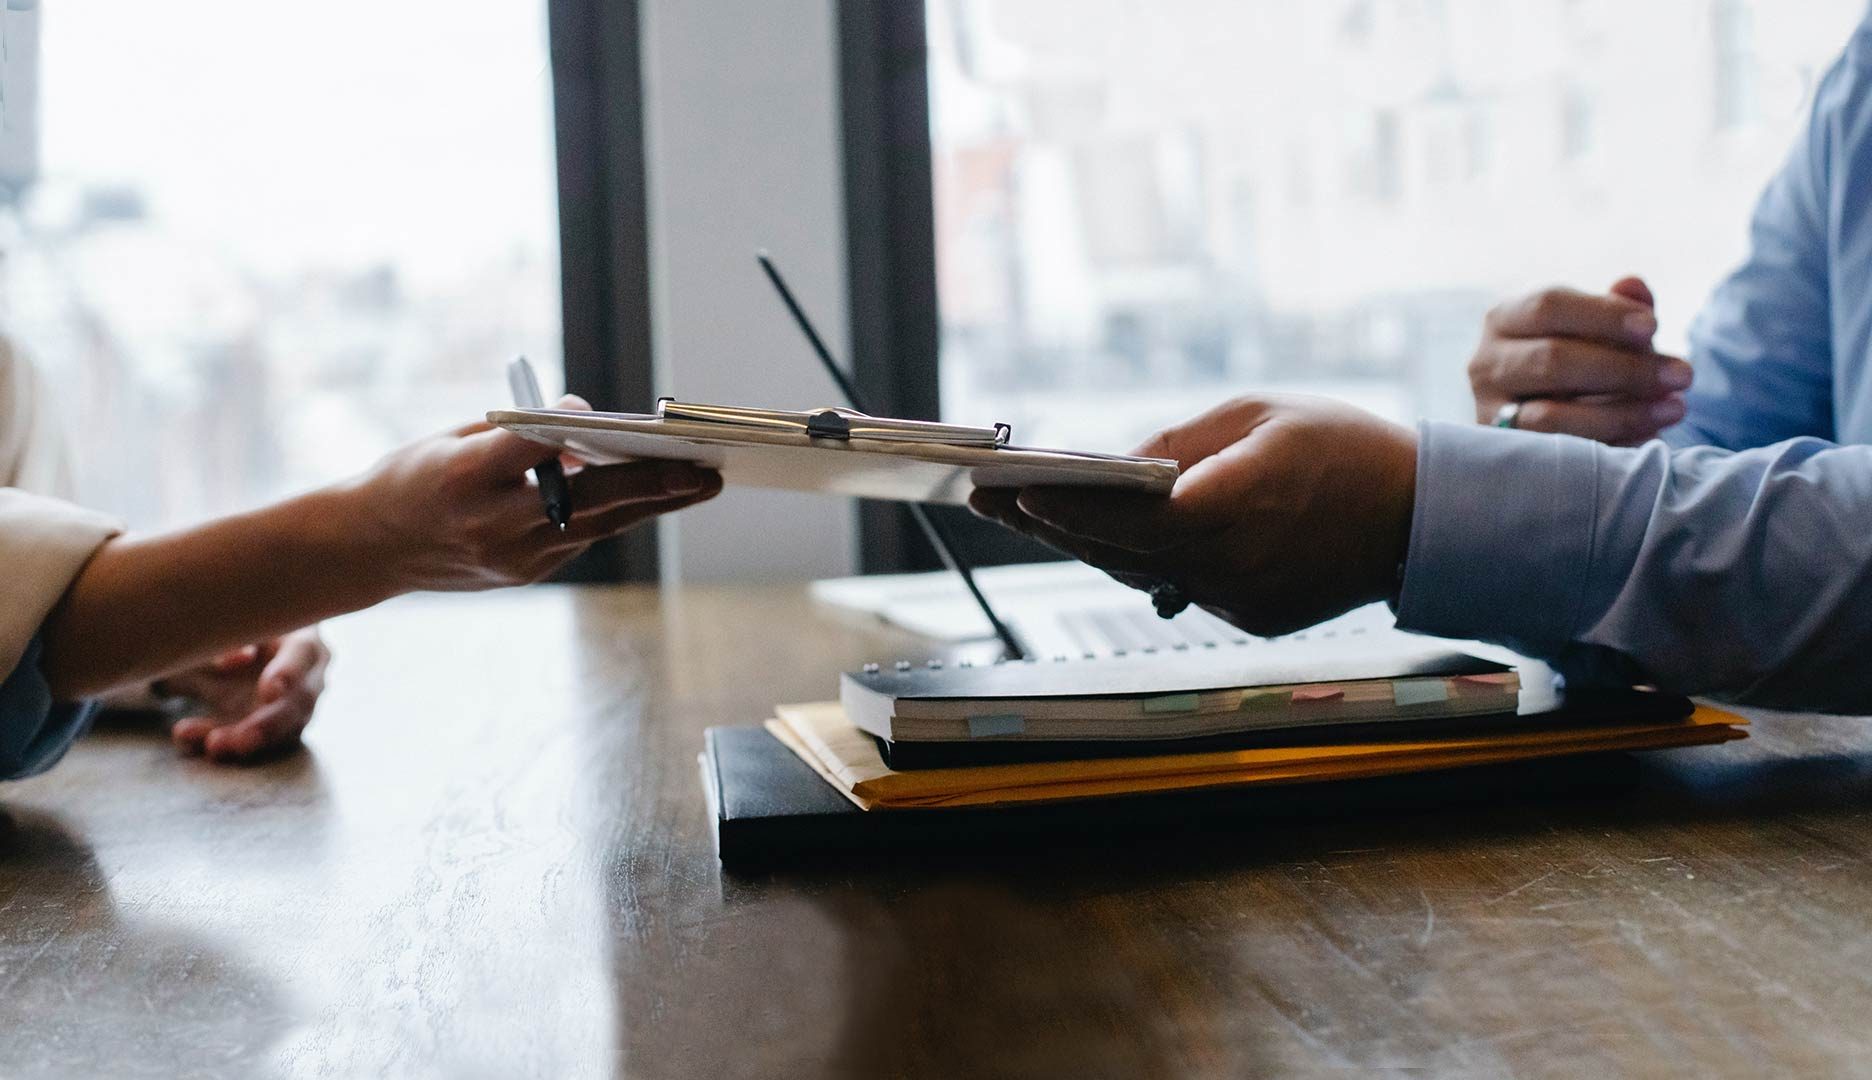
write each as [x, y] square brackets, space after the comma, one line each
[1766, 344]
[35, 730]
[1739, 575]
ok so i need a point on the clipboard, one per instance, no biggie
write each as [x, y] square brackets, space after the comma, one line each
[834, 451]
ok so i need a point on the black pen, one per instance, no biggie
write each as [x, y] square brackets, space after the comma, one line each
[552, 481]
[933, 530]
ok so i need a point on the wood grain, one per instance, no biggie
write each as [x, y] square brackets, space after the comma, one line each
[494, 861]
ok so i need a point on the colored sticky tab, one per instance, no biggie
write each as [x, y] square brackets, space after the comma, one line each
[980, 727]
[1263, 699]
[1493, 678]
[1317, 693]
[1172, 703]
[1419, 691]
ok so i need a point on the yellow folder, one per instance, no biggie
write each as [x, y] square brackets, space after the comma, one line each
[849, 760]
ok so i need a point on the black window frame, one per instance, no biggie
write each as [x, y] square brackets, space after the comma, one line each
[890, 236]
[596, 48]
[604, 236]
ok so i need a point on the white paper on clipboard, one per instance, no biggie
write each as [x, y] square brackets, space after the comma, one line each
[894, 469]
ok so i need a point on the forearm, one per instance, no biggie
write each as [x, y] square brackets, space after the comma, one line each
[1746, 576]
[145, 606]
[454, 511]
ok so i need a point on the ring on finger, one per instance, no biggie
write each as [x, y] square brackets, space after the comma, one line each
[1508, 416]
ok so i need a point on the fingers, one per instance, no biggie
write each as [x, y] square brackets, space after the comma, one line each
[188, 735]
[1563, 367]
[1209, 449]
[1621, 423]
[1141, 524]
[269, 731]
[1002, 505]
[504, 454]
[234, 659]
[601, 487]
[994, 503]
[597, 523]
[299, 665]
[567, 459]
[224, 681]
[1571, 313]
[1634, 288]
[286, 693]
[1209, 433]
[1581, 365]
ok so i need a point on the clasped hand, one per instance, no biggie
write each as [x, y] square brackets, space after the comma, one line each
[1288, 510]
[1579, 364]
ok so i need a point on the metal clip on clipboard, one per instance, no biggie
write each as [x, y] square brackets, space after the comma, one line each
[836, 423]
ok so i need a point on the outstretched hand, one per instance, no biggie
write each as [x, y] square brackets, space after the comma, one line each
[1289, 510]
[457, 512]
[255, 701]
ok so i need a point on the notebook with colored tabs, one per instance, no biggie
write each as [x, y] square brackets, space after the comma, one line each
[848, 759]
[1585, 709]
[1220, 688]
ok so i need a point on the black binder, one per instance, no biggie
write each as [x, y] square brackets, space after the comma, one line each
[771, 809]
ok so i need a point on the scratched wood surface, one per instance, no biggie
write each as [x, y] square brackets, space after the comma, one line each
[494, 861]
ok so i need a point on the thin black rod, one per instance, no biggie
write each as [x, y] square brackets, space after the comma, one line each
[938, 536]
[845, 385]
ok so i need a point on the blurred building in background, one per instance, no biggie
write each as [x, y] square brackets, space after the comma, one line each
[255, 247]
[1143, 208]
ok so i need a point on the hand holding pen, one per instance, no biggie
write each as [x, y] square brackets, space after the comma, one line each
[453, 512]
[609, 498]
[549, 473]
[672, 484]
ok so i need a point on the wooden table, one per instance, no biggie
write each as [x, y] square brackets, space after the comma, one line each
[494, 861]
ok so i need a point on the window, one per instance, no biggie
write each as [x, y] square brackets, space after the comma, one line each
[1141, 209]
[1733, 26]
[264, 243]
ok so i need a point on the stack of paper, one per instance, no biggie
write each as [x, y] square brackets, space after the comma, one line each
[849, 760]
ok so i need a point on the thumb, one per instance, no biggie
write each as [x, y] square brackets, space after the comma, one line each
[1634, 288]
[1212, 432]
[505, 454]
[572, 401]
[234, 659]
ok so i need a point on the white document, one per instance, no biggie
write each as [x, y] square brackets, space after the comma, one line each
[868, 468]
